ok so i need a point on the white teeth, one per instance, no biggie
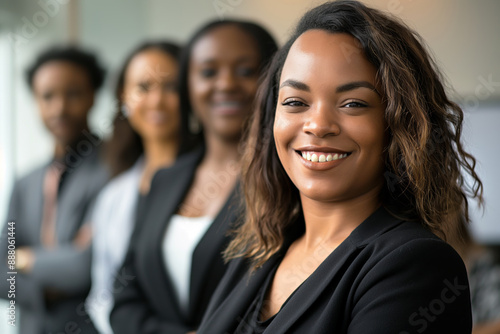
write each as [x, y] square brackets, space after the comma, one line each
[322, 158]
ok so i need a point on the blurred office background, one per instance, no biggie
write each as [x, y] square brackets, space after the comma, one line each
[462, 34]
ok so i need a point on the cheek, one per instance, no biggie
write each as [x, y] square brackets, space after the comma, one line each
[171, 102]
[135, 115]
[284, 132]
[251, 86]
[198, 90]
[370, 138]
[79, 110]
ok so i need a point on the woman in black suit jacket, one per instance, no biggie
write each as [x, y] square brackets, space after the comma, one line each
[174, 262]
[345, 200]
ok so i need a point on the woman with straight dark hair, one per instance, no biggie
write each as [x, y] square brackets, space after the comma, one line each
[146, 137]
[353, 167]
[175, 259]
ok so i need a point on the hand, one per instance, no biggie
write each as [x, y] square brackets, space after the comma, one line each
[192, 332]
[25, 258]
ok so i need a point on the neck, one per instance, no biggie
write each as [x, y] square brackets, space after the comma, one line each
[60, 151]
[63, 147]
[159, 153]
[220, 152]
[331, 223]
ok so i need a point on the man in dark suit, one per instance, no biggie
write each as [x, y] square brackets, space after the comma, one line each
[45, 240]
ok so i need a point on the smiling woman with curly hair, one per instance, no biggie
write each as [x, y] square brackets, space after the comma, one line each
[354, 178]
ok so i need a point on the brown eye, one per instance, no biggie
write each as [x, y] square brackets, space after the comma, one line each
[144, 86]
[208, 72]
[246, 72]
[47, 96]
[354, 104]
[293, 103]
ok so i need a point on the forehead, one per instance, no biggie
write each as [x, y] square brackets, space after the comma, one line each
[60, 73]
[318, 54]
[225, 44]
[151, 63]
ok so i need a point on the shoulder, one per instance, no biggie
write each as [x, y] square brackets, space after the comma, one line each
[410, 261]
[412, 245]
[123, 182]
[411, 239]
[27, 180]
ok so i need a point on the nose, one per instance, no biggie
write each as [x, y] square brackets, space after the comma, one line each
[155, 97]
[59, 106]
[227, 80]
[322, 121]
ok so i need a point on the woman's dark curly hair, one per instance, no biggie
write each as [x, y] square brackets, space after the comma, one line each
[71, 54]
[425, 161]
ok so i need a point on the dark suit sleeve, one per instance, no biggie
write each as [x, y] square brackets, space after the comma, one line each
[51, 268]
[420, 287]
[131, 312]
[28, 292]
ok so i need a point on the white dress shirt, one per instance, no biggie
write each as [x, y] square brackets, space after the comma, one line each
[181, 238]
[112, 224]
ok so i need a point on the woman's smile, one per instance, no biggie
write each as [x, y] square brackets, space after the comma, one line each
[329, 127]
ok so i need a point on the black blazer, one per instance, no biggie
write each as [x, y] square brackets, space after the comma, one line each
[389, 276]
[147, 303]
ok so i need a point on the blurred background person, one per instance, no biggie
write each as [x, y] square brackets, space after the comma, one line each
[146, 137]
[175, 252]
[483, 267]
[484, 280]
[49, 205]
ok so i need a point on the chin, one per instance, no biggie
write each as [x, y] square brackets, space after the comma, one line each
[320, 192]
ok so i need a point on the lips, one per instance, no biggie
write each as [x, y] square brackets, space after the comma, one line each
[320, 157]
[229, 107]
[156, 117]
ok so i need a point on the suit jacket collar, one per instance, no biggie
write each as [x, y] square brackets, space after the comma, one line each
[170, 188]
[75, 185]
[232, 309]
[209, 245]
[328, 271]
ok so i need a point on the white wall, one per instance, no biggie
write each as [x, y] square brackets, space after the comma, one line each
[482, 137]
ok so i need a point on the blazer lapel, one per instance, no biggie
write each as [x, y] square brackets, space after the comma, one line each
[170, 187]
[76, 196]
[35, 212]
[212, 243]
[238, 289]
[327, 272]
[231, 311]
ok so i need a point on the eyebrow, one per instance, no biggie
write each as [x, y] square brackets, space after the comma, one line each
[295, 84]
[354, 85]
[238, 60]
[340, 89]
